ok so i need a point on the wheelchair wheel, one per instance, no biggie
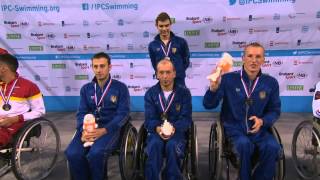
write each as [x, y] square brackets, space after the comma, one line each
[306, 149]
[35, 150]
[140, 157]
[280, 170]
[4, 164]
[215, 151]
[127, 152]
[192, 158]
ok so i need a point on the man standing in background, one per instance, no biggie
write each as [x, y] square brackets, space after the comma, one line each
[166, 45]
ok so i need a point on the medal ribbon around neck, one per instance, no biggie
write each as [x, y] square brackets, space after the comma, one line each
[166, 53]
[164, 110]
[6, 100]
[246, 89]
[103, 94]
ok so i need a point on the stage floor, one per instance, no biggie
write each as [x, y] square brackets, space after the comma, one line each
[66, 124]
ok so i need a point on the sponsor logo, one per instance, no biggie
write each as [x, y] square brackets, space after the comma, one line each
[87, 47]
[192, 33]
[67, 88]
[35, 48]
[207, 19]
[14, 24]
[37, 77]
[266, 64]
[302, 62]
[280, 30]
[240, 44]
[135, 88]
[220, 32]
[278, 43]
[51, 36]
[58, 47]
[145, 34]
[277, 62]
[137, 76]
[101, 22]
[116, 76]
[295, 87]
[81, 77]
[59, 66]
[211, 44]
[276, 16]
[63, 24]
[287, 75]
[304, 29]
[194, 20]
[233, 31]
[120, 22]
[66, 35]
[110, 35]
[303, 43]
[83, 65]
[259, 2]
[130, 47]
[40, 24]
[301, 75]
[318, 14]
[256, 30]
[237, 63]
[14, 36]
[39, 36]
[226, 19]
[252, 18]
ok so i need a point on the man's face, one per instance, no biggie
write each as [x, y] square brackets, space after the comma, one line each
[101, 68]
[166, 74]
[253, 59]
[164, 27]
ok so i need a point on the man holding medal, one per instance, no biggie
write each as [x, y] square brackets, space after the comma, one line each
[251, 105]
[109, 101]
[21, 99]
[166, 45]
[168, 112]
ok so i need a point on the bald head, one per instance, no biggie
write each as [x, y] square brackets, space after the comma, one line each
[165, 62]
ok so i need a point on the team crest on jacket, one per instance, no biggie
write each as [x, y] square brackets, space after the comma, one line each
[178, 107]
[317, 95]
[262, 94]
[113, 99]
[174, 50]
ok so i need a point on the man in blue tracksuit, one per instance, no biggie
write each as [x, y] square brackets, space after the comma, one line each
[166, 101]
[168, 45]
[108, 100]
[251, 105]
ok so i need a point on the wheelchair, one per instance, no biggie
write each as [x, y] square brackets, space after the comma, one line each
[306, 146]
[220, 152]
[189, 166]
[33, 152]
[125, 152]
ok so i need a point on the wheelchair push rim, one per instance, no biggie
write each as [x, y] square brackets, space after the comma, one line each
[36, 150]
[306, 149]
[127, 153]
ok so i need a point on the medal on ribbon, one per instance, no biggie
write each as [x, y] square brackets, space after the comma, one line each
[166, 51]
[164, 115]
[6, 106]
[99, 104]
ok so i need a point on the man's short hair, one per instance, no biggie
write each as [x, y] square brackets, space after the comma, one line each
[166, 61]
[102, 55]
[253, 44]
[10, 61]
[163, 17]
